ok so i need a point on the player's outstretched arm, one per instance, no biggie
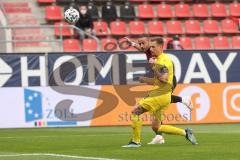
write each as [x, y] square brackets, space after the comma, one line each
[134, 44]
[147, 80]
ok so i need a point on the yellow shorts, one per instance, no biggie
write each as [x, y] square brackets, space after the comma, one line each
[156, 104]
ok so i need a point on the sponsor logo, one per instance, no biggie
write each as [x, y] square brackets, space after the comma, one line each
[42, 116]
[33, 105]
[231, 102]
[200, 100]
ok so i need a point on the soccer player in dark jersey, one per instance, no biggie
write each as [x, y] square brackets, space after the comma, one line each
[142, 45]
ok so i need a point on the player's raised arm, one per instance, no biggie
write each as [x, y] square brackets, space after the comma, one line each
[134, 44]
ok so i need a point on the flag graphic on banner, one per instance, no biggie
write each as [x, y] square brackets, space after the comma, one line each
[33, 105]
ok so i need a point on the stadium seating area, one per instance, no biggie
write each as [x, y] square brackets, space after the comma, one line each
[21, 14]
[200, 24]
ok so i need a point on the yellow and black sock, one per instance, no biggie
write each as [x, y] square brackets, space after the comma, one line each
[171, 130]
[136, 126]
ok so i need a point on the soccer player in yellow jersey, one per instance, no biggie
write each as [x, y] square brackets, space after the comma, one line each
[142, 44]
[159, 98]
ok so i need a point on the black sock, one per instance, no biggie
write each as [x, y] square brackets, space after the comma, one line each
[159, 133]
[176, 99]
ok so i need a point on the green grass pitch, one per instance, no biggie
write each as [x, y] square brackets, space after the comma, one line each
[216, 142]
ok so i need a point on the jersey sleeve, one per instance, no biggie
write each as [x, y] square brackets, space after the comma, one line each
[168, 64]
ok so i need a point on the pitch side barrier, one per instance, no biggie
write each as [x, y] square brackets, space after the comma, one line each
[99, 89]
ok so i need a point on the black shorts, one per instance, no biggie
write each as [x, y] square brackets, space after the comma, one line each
[174, 84]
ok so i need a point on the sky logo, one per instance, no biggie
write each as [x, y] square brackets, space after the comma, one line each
[33, 105]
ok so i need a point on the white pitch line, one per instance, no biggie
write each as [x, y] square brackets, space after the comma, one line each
[55, 155]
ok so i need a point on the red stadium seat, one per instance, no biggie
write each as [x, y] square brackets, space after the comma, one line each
[186, 42]
[200, 10]
[136, 27]
[221, 42]
[234, 9]
[101, 28]
[211, 27]
[18, 10]
[30, 37]
[30, 20]
[145, 11]
[46, 1]
[218, 10]
[118, 28]
[109, 44]
[53, 13]
[202, 43]
[15, 4]
[71, 45]
[89, 45]
[236, 42]
[182, 10]
[64, 31]
[26, 31]
[164, 11]
[174, 27]
[156, 28]
[229, 26]
[193, 27]
[32, 44]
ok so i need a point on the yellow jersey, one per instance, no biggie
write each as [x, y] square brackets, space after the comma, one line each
[163, 64]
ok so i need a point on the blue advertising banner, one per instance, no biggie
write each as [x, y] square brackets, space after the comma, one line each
[22, 70]
[206, 66]
[57, 69]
